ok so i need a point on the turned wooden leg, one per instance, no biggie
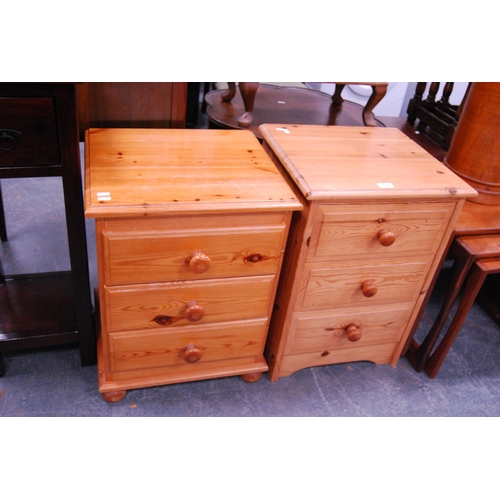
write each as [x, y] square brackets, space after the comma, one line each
[252, 377]
[416, 102]
[248, 91]
[113, 397]
[378, 92]
[445, 98]
[229, 94]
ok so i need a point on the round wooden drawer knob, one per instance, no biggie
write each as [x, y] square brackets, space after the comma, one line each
[369, 288]
[191, 354]
[194, 312]
[353, 333]
[386, 238]
[199, 262]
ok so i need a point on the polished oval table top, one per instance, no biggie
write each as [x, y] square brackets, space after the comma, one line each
[279, 104]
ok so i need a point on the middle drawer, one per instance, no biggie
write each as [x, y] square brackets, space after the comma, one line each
[161, 305]
[362, 283]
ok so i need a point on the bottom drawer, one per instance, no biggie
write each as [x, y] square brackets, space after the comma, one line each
[379, 354]
[190, 346]
[323, 338]
[333, 329]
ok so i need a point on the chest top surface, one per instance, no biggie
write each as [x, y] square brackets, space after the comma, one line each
[162, 171]
[356, 163]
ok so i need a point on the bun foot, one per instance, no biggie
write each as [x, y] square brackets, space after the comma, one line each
[113, 397]
[252, 377]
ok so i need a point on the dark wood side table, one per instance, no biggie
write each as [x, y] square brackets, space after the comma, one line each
[474, 220]
[476, 257]
[249, 90]
[279, 104]
[39, 138]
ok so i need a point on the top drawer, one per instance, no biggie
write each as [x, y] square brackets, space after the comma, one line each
[344, 232]
[28, 132]
[163, 255]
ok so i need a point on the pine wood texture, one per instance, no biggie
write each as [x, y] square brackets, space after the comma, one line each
[191, 232]
[354, 163]
[345, 232]
[161, 252]
[348, 291]
[159, 172]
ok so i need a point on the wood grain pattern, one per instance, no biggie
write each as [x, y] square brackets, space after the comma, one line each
[143, 172]
[141, 257]
[146, 349]
[355, 183]
[474, 152]
[359, 163]
[333, 287]
[378, 354]
[346, 232]
[135, 307]
[191, 231]
[317, 332]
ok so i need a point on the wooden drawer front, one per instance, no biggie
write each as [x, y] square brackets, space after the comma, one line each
[135, 257]
[151, 349]
[344, 232]
[167, 305]
[27, 132]
[323, 332]
[379, 354]
[333, 287]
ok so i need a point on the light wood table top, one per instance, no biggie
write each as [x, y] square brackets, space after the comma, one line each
[160, 171]
[356, 162]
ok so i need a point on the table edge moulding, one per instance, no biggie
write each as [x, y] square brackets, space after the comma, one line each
[191, 229]
[375, 203]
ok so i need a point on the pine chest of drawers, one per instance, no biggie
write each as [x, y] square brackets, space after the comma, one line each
[191, 228]
[378, 213]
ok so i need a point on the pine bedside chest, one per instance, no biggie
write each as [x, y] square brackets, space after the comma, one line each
[191, 228]
[378, 214]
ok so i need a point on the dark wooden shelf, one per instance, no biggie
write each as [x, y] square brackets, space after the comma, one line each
[34, 307]
[40, 139]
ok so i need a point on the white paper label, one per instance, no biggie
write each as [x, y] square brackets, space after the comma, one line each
[385, 185]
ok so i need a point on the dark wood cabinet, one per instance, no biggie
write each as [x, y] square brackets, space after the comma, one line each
[39, 138]
[131, 105]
